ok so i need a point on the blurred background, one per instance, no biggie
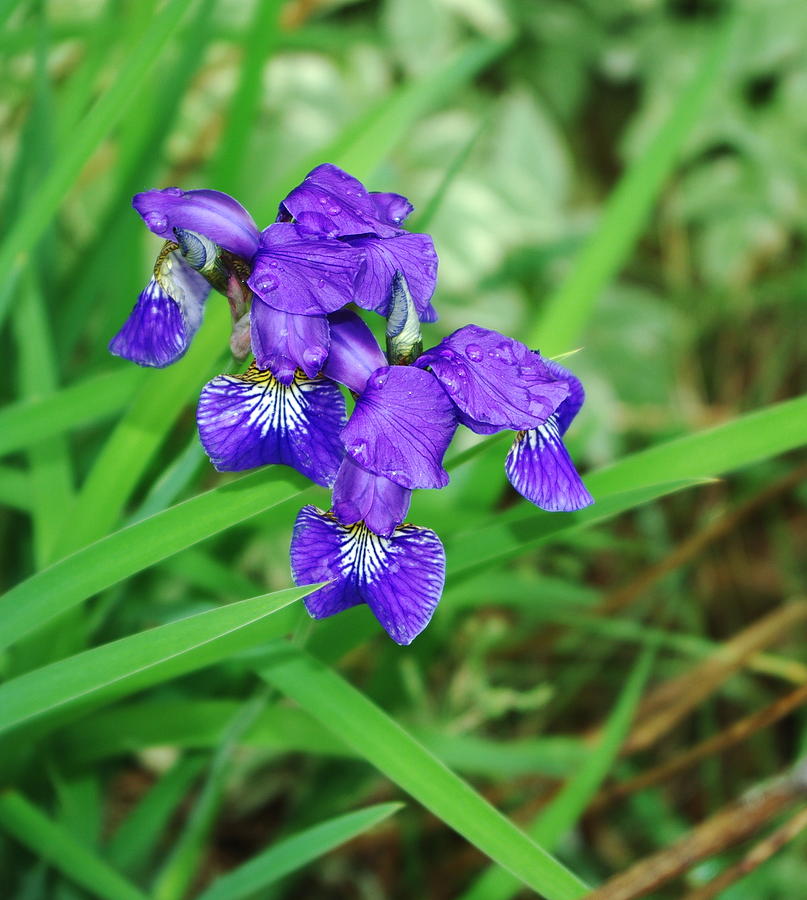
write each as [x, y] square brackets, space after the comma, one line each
[516, 129]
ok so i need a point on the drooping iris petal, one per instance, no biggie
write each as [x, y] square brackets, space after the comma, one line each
[540, 469]
[411, 254]
[167, 314]
[332, 192]
[301, 274]
[399, 577]
[495, 381]
[283, 342]
[252, 420]
[217, 216]
[358, 495]
[391, 208]
[401, 427]
[354, 352]
[570, 407]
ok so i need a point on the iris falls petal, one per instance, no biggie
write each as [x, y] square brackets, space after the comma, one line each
[252, 419]
[399, 577]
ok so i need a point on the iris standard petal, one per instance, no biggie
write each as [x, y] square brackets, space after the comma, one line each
[283, 342]
[401, 427]
[354, 352]
[216, 215]
[411, 254]
[252, 420]
[332, 192]
[391, 208]
[540, 469]
[167, 314]
[399, 577]
[298, 273]
[495, 381]
[358, 495]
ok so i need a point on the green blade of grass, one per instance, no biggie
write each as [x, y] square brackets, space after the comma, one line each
[15, 488]
[44, 838]
[107, 112]
[382, 742]
[148, 657]
[568, 309]
[294, 852]
[62, 586]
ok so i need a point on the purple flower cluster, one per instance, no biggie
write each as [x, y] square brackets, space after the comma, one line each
[289, 288]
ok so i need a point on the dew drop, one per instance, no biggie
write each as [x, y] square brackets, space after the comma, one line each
[157, 221]
[323, 200]
[321, 284]
[312, 358]
[474, 352]
[173, 191]
[266, 283]
[334, 210]
[273, 264]
[462, 372]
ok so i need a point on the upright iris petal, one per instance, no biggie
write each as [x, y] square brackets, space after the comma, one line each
[495, 381]
[358, 495]
[283, 342]
[302, 274]
[167, 314]
[354, 352]
[539, 466]
[401, 427]
[399, 577]
[252, 419]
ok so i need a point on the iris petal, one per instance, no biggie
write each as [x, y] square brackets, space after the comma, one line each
[399, 577]
[252, 420]
[358, 495]
[283, 342]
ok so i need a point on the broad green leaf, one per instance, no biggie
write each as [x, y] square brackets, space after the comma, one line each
[15, 488]
[294, 852]
[62, 586]
[44, 838]
[384, 744]
[132, 663]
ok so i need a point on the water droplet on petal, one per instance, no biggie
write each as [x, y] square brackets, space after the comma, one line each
[323, 200]
[312, 358]
[321, 284]
[334, 210]
[173, 191]
[379, 380]
[265, 284]
[157, 221]
[474, 352]
[462, 372]
[273, 264]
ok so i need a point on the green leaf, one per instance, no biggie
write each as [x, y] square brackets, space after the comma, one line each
[149, 657]
[45, 839]
[43, 596]
[383, 743]
[294, 852]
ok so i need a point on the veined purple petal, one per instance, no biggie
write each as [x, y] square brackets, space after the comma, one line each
[354, 352]
[332, 192]
[391, 208]
[570, 407]
[540, 469]
[217, 216]
[401, 427]
[283, 342]
[308, 276]
[399, 577]
[495, 381]
[411, 254]
[252, 420]
[358, 495]
[165, 318]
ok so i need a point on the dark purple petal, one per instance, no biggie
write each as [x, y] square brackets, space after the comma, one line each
[570, 407]
[252, 420]
[301, 274]
[358, 495]
[283, 342]
[399, 577]
[332, 192]
[391, 208]
[411, 254]
[354, 352]
[494, 380]
[540, 469]
[165, 318]
[215, 215]
[401, 427]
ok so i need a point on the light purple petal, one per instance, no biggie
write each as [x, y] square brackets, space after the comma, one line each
[252, 420]
[215, 215]
[354, 352]
[391, 208]
[411, 254]
[358, 495]
[308, 276]
[401, 427]
[332, 192]
[283, 342]
[399, 577]
[540, 469]
[165, 318]
[494, 380]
